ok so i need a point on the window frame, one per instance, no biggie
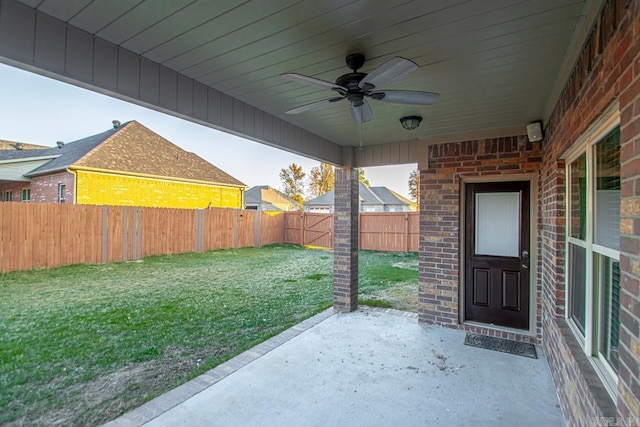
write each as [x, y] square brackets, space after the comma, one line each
[22, 193]
[589, 342]
[62, 188]
[8, 194]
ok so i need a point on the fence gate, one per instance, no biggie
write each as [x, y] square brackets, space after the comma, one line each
[318, 230]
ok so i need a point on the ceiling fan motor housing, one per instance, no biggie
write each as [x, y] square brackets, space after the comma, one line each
[355, 94]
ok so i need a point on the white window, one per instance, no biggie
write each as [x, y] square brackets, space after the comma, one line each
[61, 192]
[26, 195]
[8, 196]
[593, 248]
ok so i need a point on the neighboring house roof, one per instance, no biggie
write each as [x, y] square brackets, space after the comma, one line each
[130, 148]
[390, 197]
[368, 195]
[14, 145]
[71, 152]
[266, 194]
[365, 194]
[323, 199]
[25, 154]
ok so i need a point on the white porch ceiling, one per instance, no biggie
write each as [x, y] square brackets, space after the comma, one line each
[494, 62]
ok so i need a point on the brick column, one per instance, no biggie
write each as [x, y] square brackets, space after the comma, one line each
[438, 248]
[345, 240]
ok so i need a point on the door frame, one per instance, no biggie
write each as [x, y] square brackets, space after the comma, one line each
[533, 250]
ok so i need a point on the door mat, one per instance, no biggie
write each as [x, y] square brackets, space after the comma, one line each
[501, 344]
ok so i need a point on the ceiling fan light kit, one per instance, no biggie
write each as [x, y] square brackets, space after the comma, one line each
[410, 122]
[355, 87]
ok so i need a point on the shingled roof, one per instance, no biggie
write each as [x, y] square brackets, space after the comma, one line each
[257, 194]
[390, 197]
[364, 193]
[368, 195]
[24, 154]
[18, 146]
[269, 199]
[134, 149]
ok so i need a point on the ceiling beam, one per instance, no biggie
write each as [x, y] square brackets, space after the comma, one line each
[36, 42]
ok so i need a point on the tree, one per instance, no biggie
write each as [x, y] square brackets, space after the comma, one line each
[414, 185]
[362, 178]
[292, 178]
[321, 179]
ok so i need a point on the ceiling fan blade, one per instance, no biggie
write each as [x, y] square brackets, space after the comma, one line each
[314, 105]
[312, 81]
[361, 114]
[406, 97]
[392, 70]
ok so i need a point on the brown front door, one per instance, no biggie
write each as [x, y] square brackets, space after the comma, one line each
[497, 253]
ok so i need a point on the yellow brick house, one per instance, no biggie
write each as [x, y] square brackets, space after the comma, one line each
[128, 165]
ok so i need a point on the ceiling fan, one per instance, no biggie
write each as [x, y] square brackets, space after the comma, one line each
[356, 86]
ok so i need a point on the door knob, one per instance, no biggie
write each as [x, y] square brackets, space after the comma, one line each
[525, 254]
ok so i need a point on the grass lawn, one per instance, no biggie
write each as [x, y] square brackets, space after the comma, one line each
[83, 344]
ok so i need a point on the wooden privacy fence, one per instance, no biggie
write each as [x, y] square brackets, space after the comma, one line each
[380, 231]
[43, 235]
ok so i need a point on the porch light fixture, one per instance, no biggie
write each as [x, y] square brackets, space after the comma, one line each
[410, 122]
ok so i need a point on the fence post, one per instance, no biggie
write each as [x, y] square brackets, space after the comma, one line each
[302, 229]
[257, 229]
[137, 233]
[125, 232]
[406, 231]
[235, 229]
[105, 234]
[198, 239]
[359, 230]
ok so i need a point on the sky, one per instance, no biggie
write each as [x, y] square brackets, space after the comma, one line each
[39, 110]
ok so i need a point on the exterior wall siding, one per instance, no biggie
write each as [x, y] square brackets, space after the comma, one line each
[96, 188]
[44, 189]
[440, 189]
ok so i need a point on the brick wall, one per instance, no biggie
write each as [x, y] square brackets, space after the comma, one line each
[15, 188]
[44, 189]
[628, 61]
[345, 246]
[440, 187]
[607, 72]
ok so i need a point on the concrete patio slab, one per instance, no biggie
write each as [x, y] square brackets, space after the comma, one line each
[367, 368]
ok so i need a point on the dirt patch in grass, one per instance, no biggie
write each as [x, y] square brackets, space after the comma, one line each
[407, 265]
[389, 280]
[400, 296]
